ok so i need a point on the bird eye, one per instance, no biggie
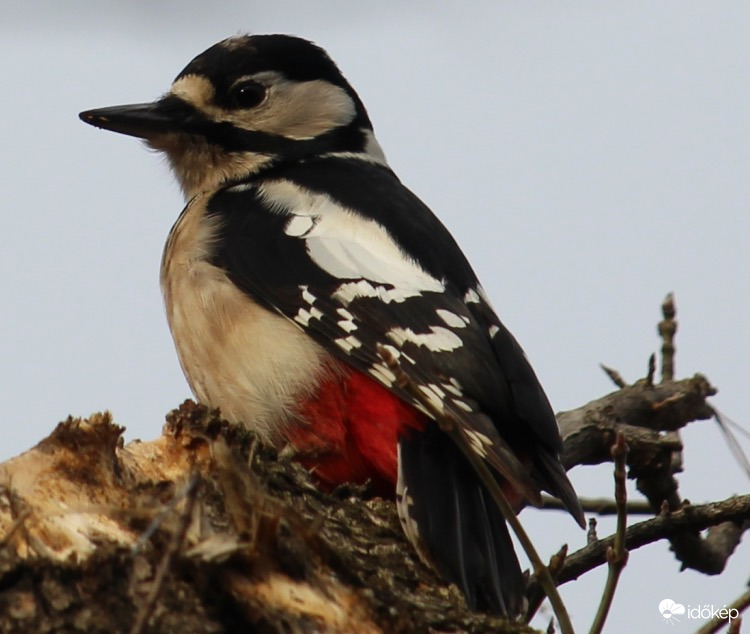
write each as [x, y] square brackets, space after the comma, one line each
[248, 94]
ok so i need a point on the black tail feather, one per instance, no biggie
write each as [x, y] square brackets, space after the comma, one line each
[554, 480]
[455, 523]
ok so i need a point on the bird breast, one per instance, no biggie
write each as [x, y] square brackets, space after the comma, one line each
[253, 364]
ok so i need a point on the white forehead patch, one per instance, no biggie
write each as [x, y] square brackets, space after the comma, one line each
[194, 89]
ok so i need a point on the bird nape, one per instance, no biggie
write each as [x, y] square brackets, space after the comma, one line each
[299, 262]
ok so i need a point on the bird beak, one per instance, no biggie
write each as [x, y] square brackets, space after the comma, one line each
[143, 120]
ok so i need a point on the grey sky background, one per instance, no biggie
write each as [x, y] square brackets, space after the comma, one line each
[588, 156]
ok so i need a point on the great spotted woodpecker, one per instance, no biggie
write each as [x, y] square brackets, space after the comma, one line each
[302, 277]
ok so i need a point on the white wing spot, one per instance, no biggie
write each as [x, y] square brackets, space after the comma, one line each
[432, 397]
[348, 344]
[439, 339]
[462, 405]
[347, 326]
[477, 442]
[437, 390]
[383, 374]
[451, 319]
[307, 295]
[349, 291]
[471, 297]
[494, 330]
[448, 387]
[395, 352]
[240, 188]
[304, 316]
[298, 226]
[342, 312]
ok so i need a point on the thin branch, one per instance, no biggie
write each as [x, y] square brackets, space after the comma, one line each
[178, 538]
[614, 376]
[599, 506]
[667, 330]
[734, 610]
[651, 370]
[617, 555]
[666, 525]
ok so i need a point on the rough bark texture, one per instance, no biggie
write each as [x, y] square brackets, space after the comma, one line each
[204, 530]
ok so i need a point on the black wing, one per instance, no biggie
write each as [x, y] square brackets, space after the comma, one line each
[311, 243]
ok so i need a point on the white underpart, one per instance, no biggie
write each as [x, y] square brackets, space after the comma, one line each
[346, 245]
[439, 339]
[254, 364]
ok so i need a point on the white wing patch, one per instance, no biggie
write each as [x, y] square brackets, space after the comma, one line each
[439, 339]
[345, 244]
[299, 226]
[451, 319]
[349, 291]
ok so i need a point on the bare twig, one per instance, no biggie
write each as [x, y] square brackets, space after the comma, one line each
[614, 376]
[146, 609]
[534, 592]
[734, 610]
[599, 506]
[591, 536]
[665, 525]
[667, 331]
[651, 370]
[617, 555]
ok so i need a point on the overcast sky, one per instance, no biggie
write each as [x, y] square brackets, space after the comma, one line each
[588, 157]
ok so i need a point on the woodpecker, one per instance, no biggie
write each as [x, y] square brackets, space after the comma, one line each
[314, 298]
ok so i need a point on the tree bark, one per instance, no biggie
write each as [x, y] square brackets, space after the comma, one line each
[206, 530]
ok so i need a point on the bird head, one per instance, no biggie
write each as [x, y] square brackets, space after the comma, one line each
[245, 104]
